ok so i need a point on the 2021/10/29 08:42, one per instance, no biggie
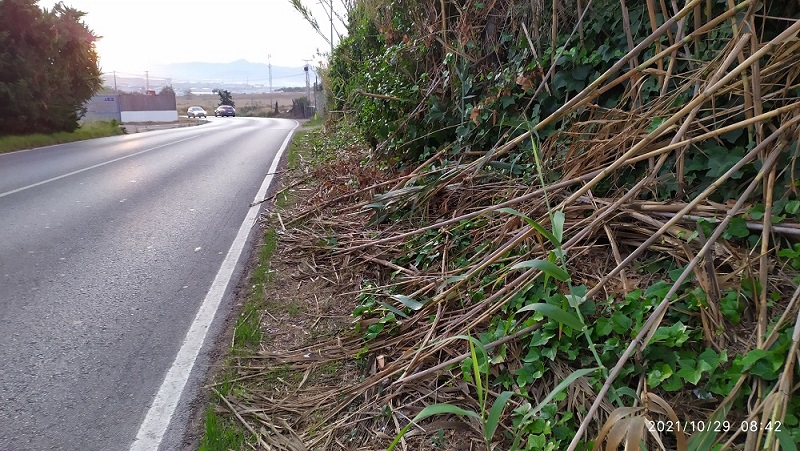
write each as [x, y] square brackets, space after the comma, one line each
[715, 426]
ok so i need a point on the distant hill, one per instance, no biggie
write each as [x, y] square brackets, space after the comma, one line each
[236, 76]
[236, 72]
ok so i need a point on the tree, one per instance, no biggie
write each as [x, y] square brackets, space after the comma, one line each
[225, 96]
[169, 90]
[48, 67]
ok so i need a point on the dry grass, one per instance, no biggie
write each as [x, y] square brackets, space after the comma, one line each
[362, 225]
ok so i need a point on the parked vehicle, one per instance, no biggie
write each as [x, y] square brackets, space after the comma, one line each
[225, 110]
[195, 111]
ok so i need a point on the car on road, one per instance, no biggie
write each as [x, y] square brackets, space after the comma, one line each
[225, 110]
[196, 111]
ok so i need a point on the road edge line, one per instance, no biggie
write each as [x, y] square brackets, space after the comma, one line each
[53, 179]
[159, 415]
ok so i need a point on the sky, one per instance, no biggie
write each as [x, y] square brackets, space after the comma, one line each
[140, 35]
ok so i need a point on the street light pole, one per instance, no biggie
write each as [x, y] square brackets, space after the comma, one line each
[308, 86]
[269, 63]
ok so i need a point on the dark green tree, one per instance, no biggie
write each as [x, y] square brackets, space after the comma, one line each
[48, 67]
[225, 96]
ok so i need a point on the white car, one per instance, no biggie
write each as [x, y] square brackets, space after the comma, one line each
[195, 111]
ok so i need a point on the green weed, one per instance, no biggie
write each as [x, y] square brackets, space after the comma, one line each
[87, 131]
[221, 435]
[248, 327]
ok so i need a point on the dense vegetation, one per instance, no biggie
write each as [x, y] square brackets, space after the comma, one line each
[48, 67]
[575, 228]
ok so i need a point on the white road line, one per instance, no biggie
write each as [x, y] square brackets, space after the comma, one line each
[92, 167]
[151, 432]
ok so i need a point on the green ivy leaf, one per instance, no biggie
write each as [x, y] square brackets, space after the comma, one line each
[757, 212]
[720, 159]
[581, 72]
[736, 228]
[672, 383]
[792, 207]
[602, 327]
[654, 124]
[752, 357]
[659, 373]
[711, 360]
[658, 290]
[621, 323]
[733, 135]
[672, 336]
[538, 338]
[689, 372]
[550, 353]
[633, 296]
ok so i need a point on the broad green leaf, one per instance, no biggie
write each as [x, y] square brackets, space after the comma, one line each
[627, 391]
[549, 268]
[555, 314]
[407, 301]
[478, 345]
[476, 374]
[533, 224]
[785, 439]
[558, 225]
[494, 414]
[702, 440]
[394, 310]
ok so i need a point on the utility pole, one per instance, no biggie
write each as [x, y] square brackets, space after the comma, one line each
[308, 82]
[269, 65]
[115, 81]
[147, 80]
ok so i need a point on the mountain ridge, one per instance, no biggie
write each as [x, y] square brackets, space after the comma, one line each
[238, 71]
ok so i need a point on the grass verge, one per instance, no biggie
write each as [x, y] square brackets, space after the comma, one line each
[222, 431]
[220, 434]
[88, 131]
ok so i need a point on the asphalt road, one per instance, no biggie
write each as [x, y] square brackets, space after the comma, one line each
[108, 248]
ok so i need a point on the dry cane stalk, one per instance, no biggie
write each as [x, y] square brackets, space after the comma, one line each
[649, 328]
